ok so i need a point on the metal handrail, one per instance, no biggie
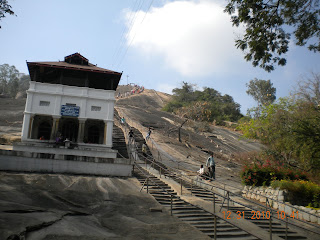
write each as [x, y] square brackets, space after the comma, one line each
[138, 167]
[176, 196]
[224, 197]
[239, 195]
[227, 197]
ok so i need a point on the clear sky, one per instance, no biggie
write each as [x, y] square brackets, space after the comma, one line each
[158, 44]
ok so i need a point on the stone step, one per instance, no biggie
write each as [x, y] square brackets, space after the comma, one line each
[191, 213]
[196, 217]
[232, 235]
[119, 143]
[295, 237]
[186, 207]
[221, 230]
[209, 223]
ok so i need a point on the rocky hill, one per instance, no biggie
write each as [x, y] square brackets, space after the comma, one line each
[143, 110]
[60, 206]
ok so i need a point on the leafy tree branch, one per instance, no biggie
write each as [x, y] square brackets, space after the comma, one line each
[5, 8]
[266, 37]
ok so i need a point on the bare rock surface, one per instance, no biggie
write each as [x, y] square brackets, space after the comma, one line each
[47, 206]
[144, 110]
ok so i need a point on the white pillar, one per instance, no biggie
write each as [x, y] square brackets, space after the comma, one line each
[108, 129]
[55, 127]
[105, 131]
[81, 130]
[29, 102]
[31, 126]
[26, 126]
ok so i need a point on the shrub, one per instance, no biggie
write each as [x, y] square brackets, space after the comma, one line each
[300, 192]
[291, 128]
[202, 127]
[172, 106]
[261, 173]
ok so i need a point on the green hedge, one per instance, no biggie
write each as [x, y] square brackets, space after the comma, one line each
[300, 192]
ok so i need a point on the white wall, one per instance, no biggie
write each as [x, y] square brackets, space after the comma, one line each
[59, 95]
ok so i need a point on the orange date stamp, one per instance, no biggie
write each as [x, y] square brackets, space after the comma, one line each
[260, 215]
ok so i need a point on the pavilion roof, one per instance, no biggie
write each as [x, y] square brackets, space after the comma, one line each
[68, 64]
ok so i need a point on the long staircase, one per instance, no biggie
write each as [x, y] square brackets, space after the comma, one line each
[195, 216]
[278, 227]
[119, 142]
[201, 219]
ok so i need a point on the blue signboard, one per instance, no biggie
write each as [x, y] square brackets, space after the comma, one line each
[71, 111]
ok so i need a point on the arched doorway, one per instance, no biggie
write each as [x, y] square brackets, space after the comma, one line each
[93, 134]
[94, 131]
[69, 128]
[41, 127]
[44, 130]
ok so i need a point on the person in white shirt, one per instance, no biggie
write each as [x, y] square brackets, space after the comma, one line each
[201, 170]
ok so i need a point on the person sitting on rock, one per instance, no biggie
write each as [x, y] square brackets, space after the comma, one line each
[201, 171]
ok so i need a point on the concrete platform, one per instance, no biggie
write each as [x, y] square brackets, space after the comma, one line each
[9, 161]
[49, 158]
[88, 150]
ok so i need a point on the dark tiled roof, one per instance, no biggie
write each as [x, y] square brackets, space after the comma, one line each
[76, 54]
[90, 67]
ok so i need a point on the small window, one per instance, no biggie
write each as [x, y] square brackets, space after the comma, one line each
[71, 104]
[44, 103]
[95, 108]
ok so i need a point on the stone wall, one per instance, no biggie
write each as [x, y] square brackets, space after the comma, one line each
[117, 167]
[278, 199]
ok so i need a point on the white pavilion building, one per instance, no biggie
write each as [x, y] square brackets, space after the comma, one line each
[72, 99]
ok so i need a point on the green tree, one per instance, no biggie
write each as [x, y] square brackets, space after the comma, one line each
[24, 83]
[5, 8]
[13, 87]
[204, 106]
[291, 129]
[262, 91]
[267, 25]
[8, 79]
[209, 94]
[230, 108]
[185, 93]
[181, 97]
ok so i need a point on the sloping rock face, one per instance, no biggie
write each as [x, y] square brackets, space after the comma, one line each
[144, 110]
[35, 206]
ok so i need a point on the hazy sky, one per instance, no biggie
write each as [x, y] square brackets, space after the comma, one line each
[159, 44]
